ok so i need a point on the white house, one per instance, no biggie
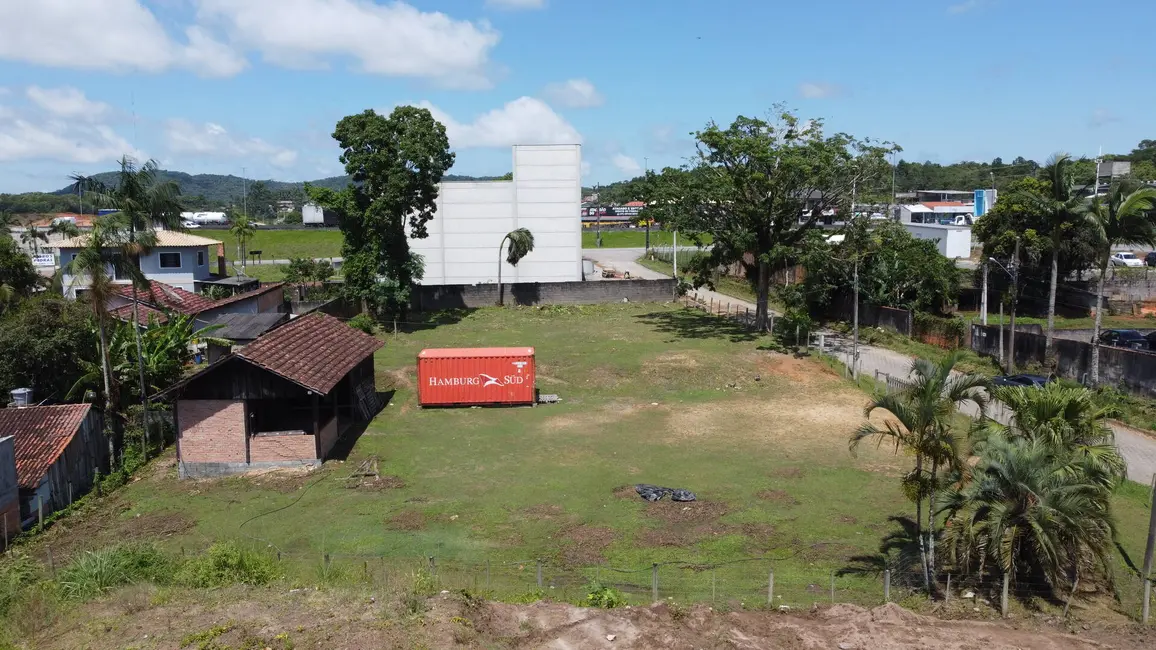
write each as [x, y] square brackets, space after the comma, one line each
[472, 218]
[178, 259]
[954, 241]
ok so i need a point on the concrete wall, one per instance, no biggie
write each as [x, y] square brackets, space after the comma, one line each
[436, 298]
[9, 492]
[328, 436]
[472, 219]
[211, 430]
[954, 241]
[1130, 370]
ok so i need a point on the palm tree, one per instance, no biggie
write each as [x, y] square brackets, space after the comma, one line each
[922, 426]
[143, 203]
[32, 236]
[1059, 208]
[1123, 218]
[521, 244]
[243, 230]
[1025, 510]
[94, 267]
[1064, 418]
[64, 228]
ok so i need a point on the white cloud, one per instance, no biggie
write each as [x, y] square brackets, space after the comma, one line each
[525, 120]
[105, 35]
[574, 93]
[819, 90]
[67, 102]
[390, 39]
[46, 137]
[516, 4]
[964, 7]
[626, 165]
[1101, 117]
[214, 141]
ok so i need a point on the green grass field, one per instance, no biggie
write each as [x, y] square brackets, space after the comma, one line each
[1063, 323]
[726, 285]
[282, 244]
[633, 238]
[650, 394]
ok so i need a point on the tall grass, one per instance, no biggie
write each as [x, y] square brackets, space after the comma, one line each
[228, 563]
[16, 573]
[97, 572]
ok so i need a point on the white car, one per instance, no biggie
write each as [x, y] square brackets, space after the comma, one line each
[190, 224]
[1126, 259]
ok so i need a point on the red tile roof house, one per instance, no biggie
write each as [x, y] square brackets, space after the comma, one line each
[283, 400]
[58, 450]
[160, 298]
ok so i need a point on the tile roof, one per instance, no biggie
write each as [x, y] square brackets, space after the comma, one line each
[42, 433]
[315, 351]
[169, 297]
[263, 289]
[144, 314]
[164, 238]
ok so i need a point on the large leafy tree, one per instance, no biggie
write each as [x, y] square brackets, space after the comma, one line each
[16, 271]
[920, 424]
[1058, 206]
[396, 163]
[1125, 216]
[1033, 511]
[144, 203]
[758, 185]
[42, 343]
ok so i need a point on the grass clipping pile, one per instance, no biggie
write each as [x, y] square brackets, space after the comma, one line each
[337, 619]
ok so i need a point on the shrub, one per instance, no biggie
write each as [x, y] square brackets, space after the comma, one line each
[16, 574]
[97, 572]
[226, 564]
[363, 322]
[603, 597]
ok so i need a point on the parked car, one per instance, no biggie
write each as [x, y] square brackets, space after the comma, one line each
[190, 224]
[1032, 381]
[1130, 339]
[1151, 336]
[1150, 259]
[1125, 259]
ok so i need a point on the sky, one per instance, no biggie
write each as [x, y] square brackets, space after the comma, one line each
[256, 86]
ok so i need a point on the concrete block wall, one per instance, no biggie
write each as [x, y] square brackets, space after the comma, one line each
[9, 520]
[283, 448]
[212, 430]
[458, 296]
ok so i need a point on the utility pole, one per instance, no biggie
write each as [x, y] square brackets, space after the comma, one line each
[646, 163]
[1096, 176]
[674, 259]
[598, 220]
[1001, 357]
[245, 195]
[1011, 361]
[983, 298]
[855, 317]
[1151, 545]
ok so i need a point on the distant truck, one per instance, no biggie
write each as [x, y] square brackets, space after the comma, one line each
[317, 216]
[205, 218]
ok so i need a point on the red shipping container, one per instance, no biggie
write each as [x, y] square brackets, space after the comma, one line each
[475, 376]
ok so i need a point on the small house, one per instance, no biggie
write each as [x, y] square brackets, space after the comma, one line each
[283, 400]
[58, 451]
[178, 259]
[159, 298]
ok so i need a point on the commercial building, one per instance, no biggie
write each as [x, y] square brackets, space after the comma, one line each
[954, 241]
[472, 219]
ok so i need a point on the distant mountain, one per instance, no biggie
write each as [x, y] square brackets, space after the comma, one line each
[216, 190]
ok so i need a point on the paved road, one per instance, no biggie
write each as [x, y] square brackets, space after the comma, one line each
[1138, 449]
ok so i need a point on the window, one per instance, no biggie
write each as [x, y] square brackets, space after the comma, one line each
[117, 272]
[200, 258]
[170, 260]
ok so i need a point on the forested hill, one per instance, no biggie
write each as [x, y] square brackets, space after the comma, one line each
[199, 192]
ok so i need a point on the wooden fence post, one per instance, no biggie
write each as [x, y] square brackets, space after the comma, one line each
[654, 582]
[886, 585]
[40, 510]
[832, 587]
[771, 587]
[539, 574]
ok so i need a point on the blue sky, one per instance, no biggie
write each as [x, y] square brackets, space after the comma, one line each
[220, 85]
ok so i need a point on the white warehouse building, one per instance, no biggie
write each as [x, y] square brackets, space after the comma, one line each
[472, 218]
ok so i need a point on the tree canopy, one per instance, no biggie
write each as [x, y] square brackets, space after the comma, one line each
[43, 341]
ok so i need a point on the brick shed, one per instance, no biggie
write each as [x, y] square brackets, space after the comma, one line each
[283, 400]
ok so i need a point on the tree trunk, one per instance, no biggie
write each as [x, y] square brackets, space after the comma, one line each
[144, 403]
[239, 253]
[931, 525]
[104, 371]
[1099, 319]
[761, 310]
[919, 527]
[1049, 352]
[501, 291]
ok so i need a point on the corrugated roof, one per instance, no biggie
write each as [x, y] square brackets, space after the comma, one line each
[42, 433]
[473, 353]
[262, 290]
[245, 327]
[145, 314]
[945, 204]
[315, 351]
[164, 238]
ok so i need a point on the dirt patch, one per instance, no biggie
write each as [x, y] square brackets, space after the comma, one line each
[407, 520]
[625, 492]
[584, 545]
[375, 483]
[593, 419]
[760, 537]
[790, 473]
[846, 519]
[671, 361]
[829, 551]
[283, 479]
[74, 535]
[796, 370]
[307, 618]
[547, 511]
[777, 496]
[693, 512]
[680, 536]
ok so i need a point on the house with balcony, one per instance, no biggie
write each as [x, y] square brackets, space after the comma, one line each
[179, 260]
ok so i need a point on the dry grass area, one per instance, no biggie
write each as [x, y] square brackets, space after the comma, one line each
[304, 619]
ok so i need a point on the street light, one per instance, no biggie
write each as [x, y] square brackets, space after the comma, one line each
[1013, 272]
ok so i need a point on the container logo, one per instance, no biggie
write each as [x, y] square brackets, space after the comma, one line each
[490, 381]
[483, 379]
